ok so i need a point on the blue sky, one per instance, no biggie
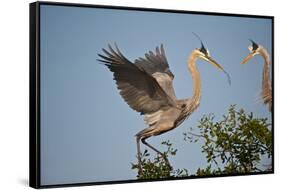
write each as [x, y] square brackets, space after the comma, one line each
[87, 130]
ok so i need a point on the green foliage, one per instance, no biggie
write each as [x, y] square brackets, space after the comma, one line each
[158, 167]
[235, 144]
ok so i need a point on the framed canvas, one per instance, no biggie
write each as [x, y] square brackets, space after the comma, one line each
[121, 94]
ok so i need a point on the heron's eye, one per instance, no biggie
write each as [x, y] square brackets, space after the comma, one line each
[250, 48]
[208, 53]
[203, 50]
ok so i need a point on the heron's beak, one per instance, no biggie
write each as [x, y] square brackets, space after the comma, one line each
[248, 58]
[214, 63]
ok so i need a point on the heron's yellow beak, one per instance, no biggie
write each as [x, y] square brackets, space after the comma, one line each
[246, 59]
[215, 64]
[212, 61]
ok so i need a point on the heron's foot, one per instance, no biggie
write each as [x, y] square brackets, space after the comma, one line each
[167, 161]
[140, 169]
[140, 172]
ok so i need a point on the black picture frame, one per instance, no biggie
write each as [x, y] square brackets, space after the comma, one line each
[34, 90]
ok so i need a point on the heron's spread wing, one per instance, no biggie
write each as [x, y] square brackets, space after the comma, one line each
[138, 88]
[156, 65]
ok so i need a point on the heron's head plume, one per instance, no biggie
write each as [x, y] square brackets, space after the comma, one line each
[204, 54]
[203, 50]
[254, 50]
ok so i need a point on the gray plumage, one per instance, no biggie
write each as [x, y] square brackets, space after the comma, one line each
[266, 91]
[137, 86]
[147, 87]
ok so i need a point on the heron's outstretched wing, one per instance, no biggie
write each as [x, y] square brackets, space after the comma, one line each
[157, 66]
[138, 88]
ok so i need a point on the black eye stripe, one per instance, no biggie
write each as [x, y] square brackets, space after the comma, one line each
[254, 45]
[203, 50]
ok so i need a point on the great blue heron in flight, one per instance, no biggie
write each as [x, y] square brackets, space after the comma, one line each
[146, 86]
[266, 92]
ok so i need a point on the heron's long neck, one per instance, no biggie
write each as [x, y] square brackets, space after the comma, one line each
[266, 82]
[195, 78]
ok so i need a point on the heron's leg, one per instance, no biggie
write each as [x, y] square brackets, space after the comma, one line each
[143, 140]
[139, 155]
[139, 136]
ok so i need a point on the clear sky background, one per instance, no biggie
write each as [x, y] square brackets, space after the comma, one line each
[87, 130]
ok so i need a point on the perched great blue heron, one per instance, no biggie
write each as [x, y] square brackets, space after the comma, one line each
[146, 86]
[266, 92]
